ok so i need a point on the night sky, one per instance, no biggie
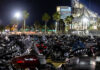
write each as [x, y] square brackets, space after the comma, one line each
[36, 8]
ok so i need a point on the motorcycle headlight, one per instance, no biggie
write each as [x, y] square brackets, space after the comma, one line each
[98, 59]
[82, 63]
[67, 60]
[30, 59]
[93, 63]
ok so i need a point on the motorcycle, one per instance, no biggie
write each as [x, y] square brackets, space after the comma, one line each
[32, 61]
[59, 52]
[80, 59]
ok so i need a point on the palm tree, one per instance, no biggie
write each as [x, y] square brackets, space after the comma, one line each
[37, 25]
[25, 16]
[46, 18]
[51, 26]
[61, 26]
[56, 17]
[68, 20]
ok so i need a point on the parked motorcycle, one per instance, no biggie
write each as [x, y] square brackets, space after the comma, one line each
[80, 59]
[32, 61]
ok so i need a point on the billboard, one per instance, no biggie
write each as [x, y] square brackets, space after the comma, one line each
[64, 11]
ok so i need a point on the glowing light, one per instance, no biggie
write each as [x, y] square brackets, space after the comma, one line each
[20, 61]
[95, 27]
[17, 15]
[85, 20]
[93, 63]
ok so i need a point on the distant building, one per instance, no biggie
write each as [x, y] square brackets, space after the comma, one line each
[64, 11]
[83, 17]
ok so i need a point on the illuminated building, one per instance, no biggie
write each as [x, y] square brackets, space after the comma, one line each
[81, 12]
[64, 11]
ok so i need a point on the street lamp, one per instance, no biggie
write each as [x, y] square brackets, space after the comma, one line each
[17, 15]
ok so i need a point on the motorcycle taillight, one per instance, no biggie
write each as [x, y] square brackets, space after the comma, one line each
[20, 61]
[37, 45]
[40, 51]
[42, 44]
[45, 47]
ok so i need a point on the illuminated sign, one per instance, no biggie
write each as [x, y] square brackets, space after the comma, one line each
[64, 11]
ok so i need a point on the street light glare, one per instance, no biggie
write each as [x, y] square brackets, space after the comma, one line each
[17, 15]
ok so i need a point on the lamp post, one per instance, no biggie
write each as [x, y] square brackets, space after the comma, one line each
[17, 16]
[55, 27]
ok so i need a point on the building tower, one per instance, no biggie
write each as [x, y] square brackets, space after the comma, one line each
[77, 8]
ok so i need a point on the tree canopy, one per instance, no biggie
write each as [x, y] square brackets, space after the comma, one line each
[46, 17]
[56, 16]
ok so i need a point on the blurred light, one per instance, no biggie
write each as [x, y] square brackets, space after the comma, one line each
[58, 9]
[20, 61]
[17, 15]
[95, 27]
[85, 20]
[82, 63]
[93, 63]
[98, 59]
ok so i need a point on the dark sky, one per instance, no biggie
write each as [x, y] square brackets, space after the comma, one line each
[93, 5]
[36, 8]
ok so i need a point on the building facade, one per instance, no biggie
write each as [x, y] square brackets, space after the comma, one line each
[83, 17]
[64, 11]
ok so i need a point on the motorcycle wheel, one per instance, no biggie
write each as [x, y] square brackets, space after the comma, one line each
[50, 66]
[55, 56]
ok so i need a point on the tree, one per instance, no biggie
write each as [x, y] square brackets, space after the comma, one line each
[10, 26]
[68, 20]
[37, 25]
[61, 26]
[56, 17]
[25, 16]
[52, 26]
[98, 22]
[46, 18]
[13, 24]
[2, 27]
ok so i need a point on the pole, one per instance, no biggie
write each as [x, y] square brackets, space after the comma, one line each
[56, 27]
[24, 25]
[16, 27]
[45, 27]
